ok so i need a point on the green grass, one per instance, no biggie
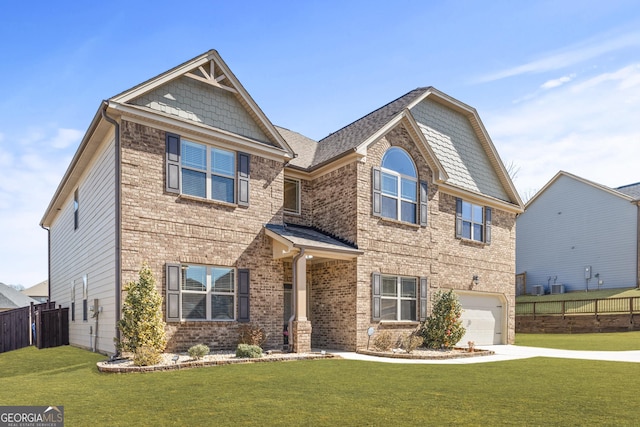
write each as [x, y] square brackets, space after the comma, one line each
[618, 341]
[535, 391]
[580, 295]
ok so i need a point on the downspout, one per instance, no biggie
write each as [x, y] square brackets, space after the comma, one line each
[118, 218]
[294, 296]
[48, 262]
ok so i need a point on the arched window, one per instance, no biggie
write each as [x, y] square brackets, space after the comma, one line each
[399, 186]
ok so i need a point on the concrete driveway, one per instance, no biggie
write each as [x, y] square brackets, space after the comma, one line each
[507, 352]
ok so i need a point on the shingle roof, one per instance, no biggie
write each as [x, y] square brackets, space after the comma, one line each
[305, 148]
[632, 190]
[352, 135]
[12, 298]
[311, 238]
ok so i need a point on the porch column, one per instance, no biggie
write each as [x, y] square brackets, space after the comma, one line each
[301, 325]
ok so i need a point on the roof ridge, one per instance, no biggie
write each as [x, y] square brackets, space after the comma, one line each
[424, 88]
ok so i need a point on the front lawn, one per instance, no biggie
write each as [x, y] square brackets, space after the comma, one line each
[535, 391]
[615, 341]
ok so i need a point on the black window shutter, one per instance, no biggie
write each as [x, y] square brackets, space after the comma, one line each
[244, 161]
[376, 291]
[243, 295]
[458, 218]
[423, 299]
[424, 196]
[487, 225]
[173, 163]
[377, 192]
[173, 292]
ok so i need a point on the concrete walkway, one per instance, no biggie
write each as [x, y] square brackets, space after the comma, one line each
[507, 352]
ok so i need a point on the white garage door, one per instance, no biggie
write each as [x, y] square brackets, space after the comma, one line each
[482, 317]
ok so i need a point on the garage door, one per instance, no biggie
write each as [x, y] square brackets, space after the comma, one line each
[482, 318]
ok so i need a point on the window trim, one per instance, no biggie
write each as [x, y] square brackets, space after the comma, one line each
[209, 171]
[398, 298]
[487, 213]
[208, 293]
[76, 210]
[298, 185]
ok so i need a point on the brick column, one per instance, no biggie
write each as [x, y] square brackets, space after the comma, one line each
[301, 336]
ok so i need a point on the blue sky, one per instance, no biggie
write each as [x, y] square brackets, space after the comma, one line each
[556, 83]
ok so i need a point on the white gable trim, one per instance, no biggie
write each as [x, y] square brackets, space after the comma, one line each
[232, 84]
[582, 180]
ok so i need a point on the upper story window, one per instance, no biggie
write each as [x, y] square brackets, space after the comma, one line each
[207, 172]
[291, 195]
[473, 222]
[395, 189]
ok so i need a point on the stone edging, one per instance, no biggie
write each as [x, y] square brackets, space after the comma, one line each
[112, 367]
[417, 356]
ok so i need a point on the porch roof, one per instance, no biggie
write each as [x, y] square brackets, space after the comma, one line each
[290, 238]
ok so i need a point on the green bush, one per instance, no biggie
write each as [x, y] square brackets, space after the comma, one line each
[146, 356]
[443, 329]
[141, 324]
[198, 351]
[252, 334]
[248, 351]
[383, 341]
[410, 342]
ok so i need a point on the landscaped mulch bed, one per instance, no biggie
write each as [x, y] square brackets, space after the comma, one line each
[422, 353]
[172, 361]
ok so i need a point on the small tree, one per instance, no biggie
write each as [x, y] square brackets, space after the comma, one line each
[443, 329]
[141, 326]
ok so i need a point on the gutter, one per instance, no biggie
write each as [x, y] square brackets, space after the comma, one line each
[118, 219]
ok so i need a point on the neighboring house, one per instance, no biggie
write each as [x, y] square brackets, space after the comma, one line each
[579, 235]
[242, 221]
[11, 298]
[39, 292]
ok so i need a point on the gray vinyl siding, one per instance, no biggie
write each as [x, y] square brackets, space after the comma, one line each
[573, 225]
[89, 250]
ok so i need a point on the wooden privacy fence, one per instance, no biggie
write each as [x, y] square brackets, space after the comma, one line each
[15, 331]
[40, 324]
[52, 327]
[630, 305]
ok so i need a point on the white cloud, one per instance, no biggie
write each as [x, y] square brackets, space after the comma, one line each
[571, 55]
[585, 126]
[550, 84]
[66, 137]
[31, 171]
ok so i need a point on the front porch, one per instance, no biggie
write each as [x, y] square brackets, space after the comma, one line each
[317, 264]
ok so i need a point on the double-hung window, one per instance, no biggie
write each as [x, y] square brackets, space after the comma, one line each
[291, 195]
[208, 172]
[208, 293]
[399, 298]
[473, 222]
[397, 193]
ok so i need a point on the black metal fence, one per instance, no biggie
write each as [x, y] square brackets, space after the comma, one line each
[630, 305]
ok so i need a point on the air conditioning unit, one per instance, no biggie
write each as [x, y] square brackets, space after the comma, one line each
[557, 289]
[538, 290]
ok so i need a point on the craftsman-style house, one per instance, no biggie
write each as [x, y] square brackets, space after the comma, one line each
[244, 221]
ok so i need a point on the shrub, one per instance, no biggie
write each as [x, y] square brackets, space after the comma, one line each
[443, 329]
[146, 356]
[252, 334]
[383, 341]
[198, 351]
[410, 342]
[141, 324]
[248, 351]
